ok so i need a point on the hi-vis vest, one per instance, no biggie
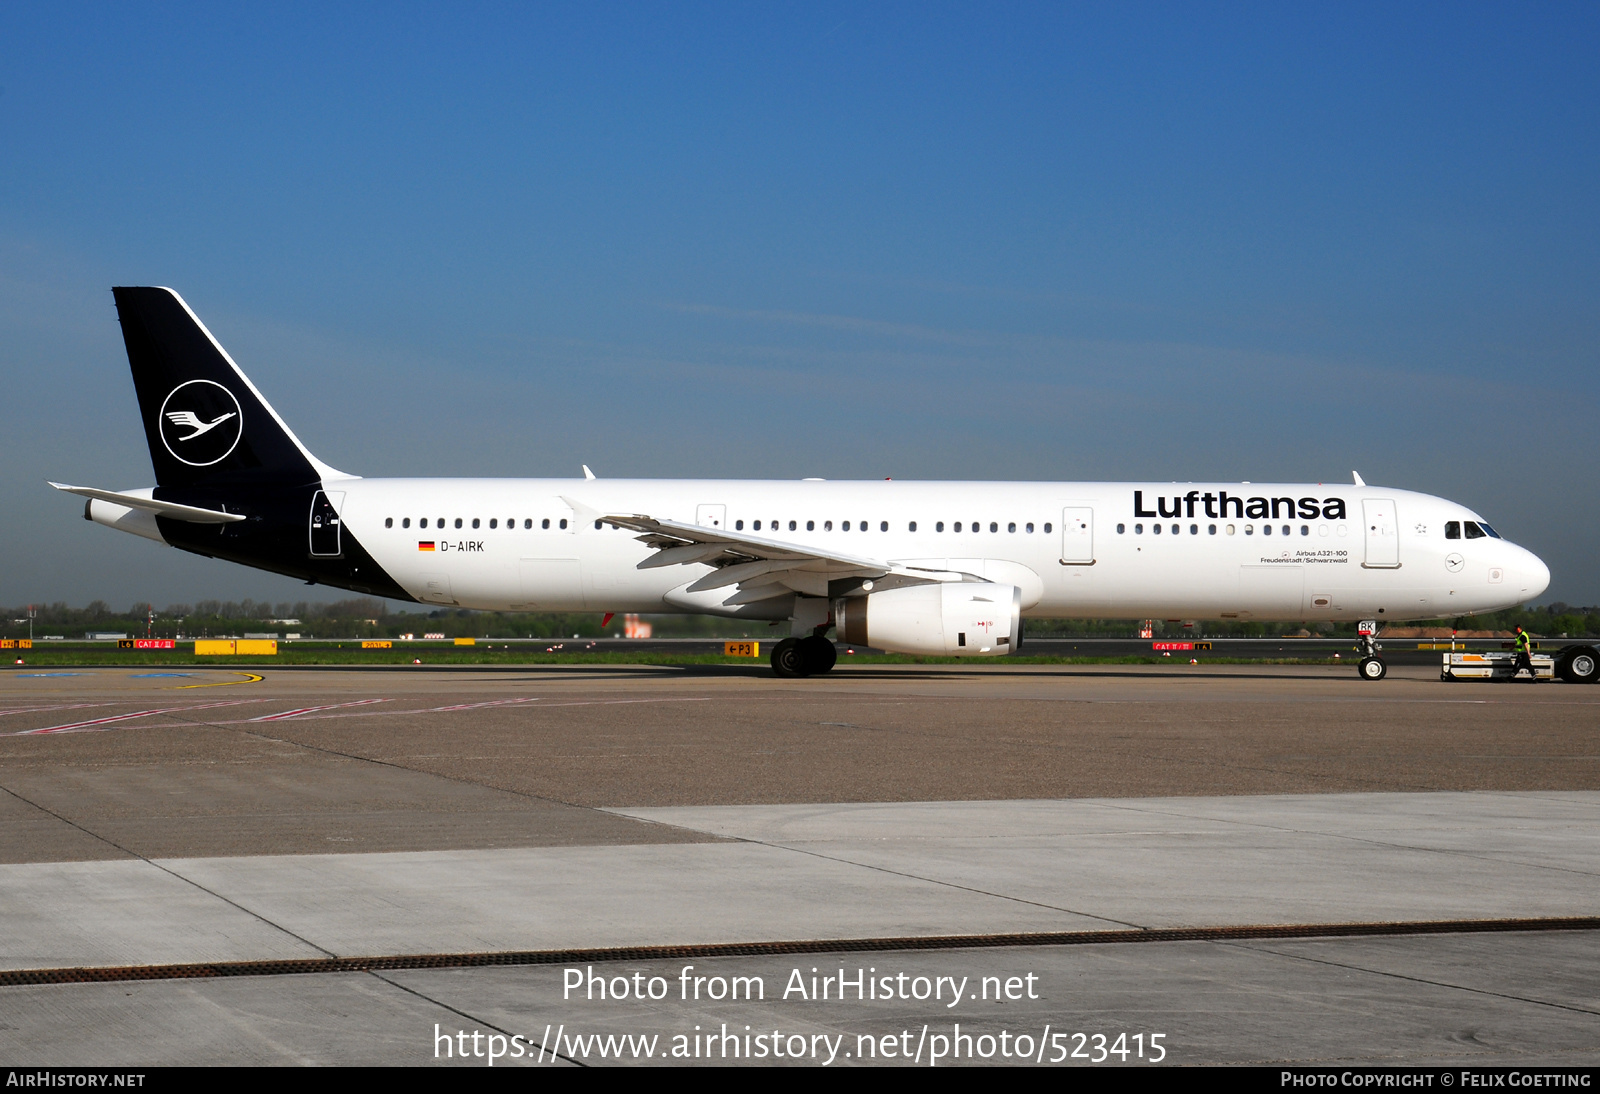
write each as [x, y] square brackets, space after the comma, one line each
[1523, 642]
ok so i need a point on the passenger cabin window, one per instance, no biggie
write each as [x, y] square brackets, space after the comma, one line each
[738, 526]
[405, 522]
[528, 522]
[811, 526]
[912, 526]
[1030, 527]
[423, 523]
[1122, 529]
[956, 526]
[846, 526]
[563, 522]
[883, 526]
[493, 523]
[458, 522]
[939, 526]
[474, 522]
[545, 523]
[388, 522]
[1452, 529]
[827, 526]
[1047, 527]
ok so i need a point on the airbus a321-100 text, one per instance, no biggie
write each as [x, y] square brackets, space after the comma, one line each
[938, 568]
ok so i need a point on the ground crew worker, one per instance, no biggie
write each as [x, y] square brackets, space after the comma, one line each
[1524, 661]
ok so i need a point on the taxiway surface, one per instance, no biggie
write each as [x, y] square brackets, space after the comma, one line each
[215, 815]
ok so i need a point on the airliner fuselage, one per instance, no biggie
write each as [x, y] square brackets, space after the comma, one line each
[921, 567]
[1074, 549]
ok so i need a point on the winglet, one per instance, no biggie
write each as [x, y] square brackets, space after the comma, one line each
[1359, 480]
[586, 472]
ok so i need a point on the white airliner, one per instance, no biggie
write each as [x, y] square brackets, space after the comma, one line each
[948, 568]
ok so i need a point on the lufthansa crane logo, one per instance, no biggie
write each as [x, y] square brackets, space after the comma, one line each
[201, 422]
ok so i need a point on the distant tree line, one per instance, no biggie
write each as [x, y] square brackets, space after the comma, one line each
[366, 617]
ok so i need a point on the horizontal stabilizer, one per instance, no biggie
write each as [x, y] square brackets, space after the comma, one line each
[190, 513]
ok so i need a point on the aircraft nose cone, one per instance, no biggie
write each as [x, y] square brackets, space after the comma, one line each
[1535, 575]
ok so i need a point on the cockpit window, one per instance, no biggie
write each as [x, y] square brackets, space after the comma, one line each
[1491, 531]
[1473, 531]
[1452, 529]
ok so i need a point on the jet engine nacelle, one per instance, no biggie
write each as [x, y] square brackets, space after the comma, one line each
[959, 618]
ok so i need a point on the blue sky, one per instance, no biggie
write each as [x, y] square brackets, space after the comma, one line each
[927, 241]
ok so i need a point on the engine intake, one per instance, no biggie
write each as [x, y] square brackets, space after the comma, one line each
[959, 618]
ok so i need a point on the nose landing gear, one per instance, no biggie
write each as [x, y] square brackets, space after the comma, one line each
[1372, 667]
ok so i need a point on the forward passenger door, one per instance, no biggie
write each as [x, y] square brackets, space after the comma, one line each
[1077, 536]
[1382, 528]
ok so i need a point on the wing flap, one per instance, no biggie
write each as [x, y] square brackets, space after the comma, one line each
[760, 568]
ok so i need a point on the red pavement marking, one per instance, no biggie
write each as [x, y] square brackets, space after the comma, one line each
[312, 710]
[72, 727]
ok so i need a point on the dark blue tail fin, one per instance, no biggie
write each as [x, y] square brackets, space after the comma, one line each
[204, 420]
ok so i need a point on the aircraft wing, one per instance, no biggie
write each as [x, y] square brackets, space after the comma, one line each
[762, 568]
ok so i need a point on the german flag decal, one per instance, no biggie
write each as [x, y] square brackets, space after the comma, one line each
[425, 545]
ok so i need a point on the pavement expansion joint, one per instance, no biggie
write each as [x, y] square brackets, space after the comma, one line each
[1303, 831]
[163, 869]
[1431, 982]
[402, 962]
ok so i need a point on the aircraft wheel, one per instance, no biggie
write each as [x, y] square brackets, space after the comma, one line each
[1373, 668]
[1579, 666]
[820, 654]
[789, 659]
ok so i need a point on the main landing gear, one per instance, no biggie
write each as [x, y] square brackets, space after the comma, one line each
[804, 656]
[1372, 667]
